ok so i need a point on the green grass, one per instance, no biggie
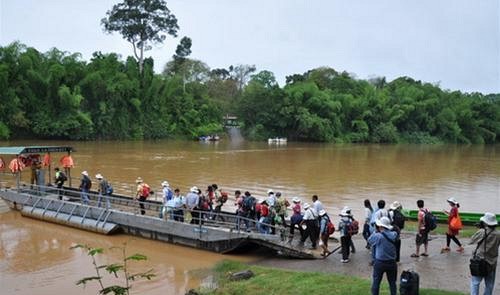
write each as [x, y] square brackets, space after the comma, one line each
[441, 229]
[272, 281]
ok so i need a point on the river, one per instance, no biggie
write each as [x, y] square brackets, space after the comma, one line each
[35, 257]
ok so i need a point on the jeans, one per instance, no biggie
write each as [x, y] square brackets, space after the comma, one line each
[379, 268]
[85, 196]
[262, 227]
[489, 282]
[106, 197]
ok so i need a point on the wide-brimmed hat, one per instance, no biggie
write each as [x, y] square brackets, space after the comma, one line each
[452, 200]
[98, 176]
[296, 200]
[270, 191]
[194, 189]
[346, 211]
[306, 206]
[395, 205]
[138, 180]
[384, 222]
[165, 183]
[489, 219]
[85, 173]
[322, 212]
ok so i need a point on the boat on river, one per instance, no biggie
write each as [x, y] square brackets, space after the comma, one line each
[222, 234]
[277, 140]
[468, 218]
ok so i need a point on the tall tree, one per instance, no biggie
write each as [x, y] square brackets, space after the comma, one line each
[142, 23]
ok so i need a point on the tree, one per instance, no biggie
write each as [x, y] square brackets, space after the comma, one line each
[142, 23]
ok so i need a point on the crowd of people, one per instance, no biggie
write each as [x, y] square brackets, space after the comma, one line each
[381, 227]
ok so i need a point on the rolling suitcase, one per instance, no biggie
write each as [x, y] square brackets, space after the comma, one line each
[409, 283]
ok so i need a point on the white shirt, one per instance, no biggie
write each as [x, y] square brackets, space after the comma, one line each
[309, 214]
[317, 207]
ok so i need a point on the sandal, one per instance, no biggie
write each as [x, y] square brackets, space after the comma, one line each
[424, 254]
[414, 255]
[445, 249]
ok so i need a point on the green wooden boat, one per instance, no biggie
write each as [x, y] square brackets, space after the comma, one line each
[468, 218]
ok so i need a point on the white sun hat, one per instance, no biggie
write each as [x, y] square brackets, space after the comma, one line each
[270, 191]
[395, 205]
[85, 173]
[489, 218]
[98, 176]
[194, 189]
[165, 183]
[296, 200]
[452, 200]
[306, 206]
[384, 222]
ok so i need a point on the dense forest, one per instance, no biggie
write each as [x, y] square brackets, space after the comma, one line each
[58, 95]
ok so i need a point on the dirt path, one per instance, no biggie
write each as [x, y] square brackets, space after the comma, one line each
[448, 271]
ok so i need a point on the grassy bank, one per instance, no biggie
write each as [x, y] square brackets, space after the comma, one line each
[441, 229]
[276, 281]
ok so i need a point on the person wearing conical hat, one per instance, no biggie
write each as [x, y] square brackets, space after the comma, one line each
[452, 232]
[487, 239]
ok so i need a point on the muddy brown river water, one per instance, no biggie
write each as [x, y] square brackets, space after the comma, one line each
[35, 256]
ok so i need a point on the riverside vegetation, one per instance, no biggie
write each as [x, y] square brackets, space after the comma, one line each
[58, 95]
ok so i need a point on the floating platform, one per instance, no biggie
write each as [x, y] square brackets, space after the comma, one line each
[220, 237]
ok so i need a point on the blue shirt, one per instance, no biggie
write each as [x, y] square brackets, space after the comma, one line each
[384, 249]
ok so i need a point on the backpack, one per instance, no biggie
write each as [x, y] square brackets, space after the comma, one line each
[409, 283]
[223, 197]
[353, 228]
[249, 203]
[398, 219]
[430, 221]
[330, 227]
[146, 190]
[63, 176]
[109, 189]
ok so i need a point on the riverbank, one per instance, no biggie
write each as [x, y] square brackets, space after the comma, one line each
[448, 271]
[278, 281]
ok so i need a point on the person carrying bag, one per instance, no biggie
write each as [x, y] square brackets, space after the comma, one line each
[484, 258]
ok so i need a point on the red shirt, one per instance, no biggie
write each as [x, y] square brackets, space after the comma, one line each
[264, 210]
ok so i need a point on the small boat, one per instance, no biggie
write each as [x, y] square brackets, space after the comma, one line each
[277, 140]
[468, 218]
[209, 138]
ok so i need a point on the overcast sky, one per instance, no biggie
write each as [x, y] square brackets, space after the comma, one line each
[453, 42]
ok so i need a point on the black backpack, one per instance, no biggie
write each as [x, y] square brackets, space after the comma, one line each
[429, 221]
[409, 283]
[249, 203]
[398, 219]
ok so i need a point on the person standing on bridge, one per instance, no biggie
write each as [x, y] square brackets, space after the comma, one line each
[85, 185]
[192, 202]
[59, 180]
[142, 193]
[103, 189]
